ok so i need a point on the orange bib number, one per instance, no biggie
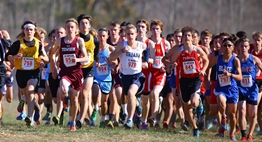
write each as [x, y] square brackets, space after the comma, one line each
[28, 63]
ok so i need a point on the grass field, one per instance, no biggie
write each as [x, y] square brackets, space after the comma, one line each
[14, 130]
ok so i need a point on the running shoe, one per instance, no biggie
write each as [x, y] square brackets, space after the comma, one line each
[233, 137]
[29, 122]
[144, 126]
[20, 106]
[94, 114]
[73, 127]
[47, 115]
[165, 124]
[87, 121]
[249, 138]
[110, 124]
[152, 122]
[138, 122]
[129, 124]
[21, 116]
[79, 124]
[102, 125]
[185, 126]
[243, 139]
[92, 124]
[55, 120]
[196, 133]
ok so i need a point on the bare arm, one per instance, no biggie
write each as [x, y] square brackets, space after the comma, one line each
[53, 52]
[166, 58]
[151, 46]
[238, 75]
[117, 52]
[111, 49]
[204, 57]
[257, 62]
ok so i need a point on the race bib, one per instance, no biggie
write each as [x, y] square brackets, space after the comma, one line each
[131, 64]
[28, 63]
[246, 81]
[189, 67]
[224, 80]
[88, 62]
[102, 69]
[43, 73]
[68, 60]
[158, 62]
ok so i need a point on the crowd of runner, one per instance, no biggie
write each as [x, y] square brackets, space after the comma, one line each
[194, 79]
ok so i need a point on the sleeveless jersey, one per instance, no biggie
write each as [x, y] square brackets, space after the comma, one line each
[67, 53]
[103, 73]
[222, 80]
[90, 47]
[159, 54]
[189, 63]
[248, 69]
[131, 61]
[258, 72]
[30, 59]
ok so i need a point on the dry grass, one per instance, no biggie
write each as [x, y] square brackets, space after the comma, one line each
[13, 130]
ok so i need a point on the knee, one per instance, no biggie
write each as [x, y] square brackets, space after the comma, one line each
[64, 89]
[232, 115]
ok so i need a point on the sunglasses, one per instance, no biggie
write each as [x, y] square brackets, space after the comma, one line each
[227, 45]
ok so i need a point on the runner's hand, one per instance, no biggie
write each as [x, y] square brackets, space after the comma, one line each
[145, 65]
[226, 73]
[162, 69]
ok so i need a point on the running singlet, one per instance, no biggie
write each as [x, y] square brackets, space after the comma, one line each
[67, 53]
[103, 73]
[258, 72]
[248, 69]
[29, 61]
[222, 80]
[131, 61]
[90, 46]
[159, 54]
[189, 63]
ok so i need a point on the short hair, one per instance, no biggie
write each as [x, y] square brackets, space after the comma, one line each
[84, 16]
[130, 26]
[224, 34]
[241, 34]
[42, 31]
[52, 32]
[244, 40]
[206, 32]
[169, 36]
[103, 30]
[229, 39]
[157, 23]
[259, 34]
[71, 20]
[188, 29]
[114, 23]
[177, 31]
[145, 22]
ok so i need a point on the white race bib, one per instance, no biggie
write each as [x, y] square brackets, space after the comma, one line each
[224, 80]
[246, 81]
[89, 58]
[158, 62]
[43, 73]
[189, 67]
[102, 69]
[68, 60]
[28, 63]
